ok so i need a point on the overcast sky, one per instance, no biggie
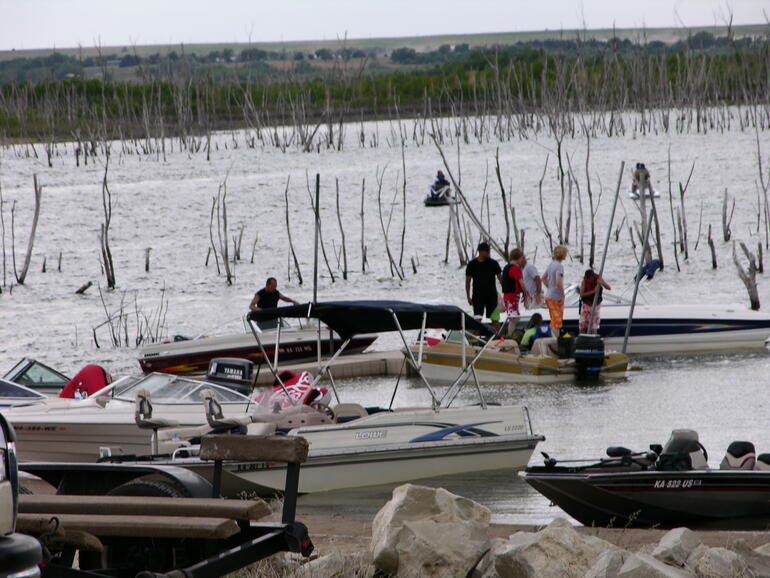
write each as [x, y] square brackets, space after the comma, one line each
[67, 23]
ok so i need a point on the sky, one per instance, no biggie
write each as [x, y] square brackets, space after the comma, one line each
[28, 24]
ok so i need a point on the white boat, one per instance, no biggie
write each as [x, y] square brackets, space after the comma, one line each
[673, 328]
[350, 445]
[294, 343]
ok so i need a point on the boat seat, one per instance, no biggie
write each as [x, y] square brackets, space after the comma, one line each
[739, 456]
[143, 413]
[683, 451]
[348, 412]
[542, 347]
[763, 463]
[214, 414]
[145, 420]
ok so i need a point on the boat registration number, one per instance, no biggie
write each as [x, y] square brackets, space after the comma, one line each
[676, 484]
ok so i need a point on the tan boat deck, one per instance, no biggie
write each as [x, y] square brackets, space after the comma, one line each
[374, 363]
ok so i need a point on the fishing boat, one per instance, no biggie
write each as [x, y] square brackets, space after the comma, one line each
[505, 362]
[672, 328]
[665, 487]
[184, 355]
[350, 445]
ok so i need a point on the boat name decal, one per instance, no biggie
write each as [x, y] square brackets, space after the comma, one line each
[371, 435]
[676, 484]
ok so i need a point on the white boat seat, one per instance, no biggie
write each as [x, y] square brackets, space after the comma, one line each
[763, 463]
[542, 347]
[739, 456]
[143, 413]
[348, 411]
[507, 346]
[260, 429]
[214, 414]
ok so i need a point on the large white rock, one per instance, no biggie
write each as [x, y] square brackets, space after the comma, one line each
[758, 563]
[557, 550]
[609, 564]
[646, 566]
[430, 532]
[676, 546]
[722, 563]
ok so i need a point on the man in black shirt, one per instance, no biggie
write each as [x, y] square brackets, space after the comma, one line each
[269, 296]
[483, 270]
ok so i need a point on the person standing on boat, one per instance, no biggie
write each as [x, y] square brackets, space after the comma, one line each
[590, 286]
[482, 271]
[533, 283]
[514, 289]
[269, 296]
[554, 283]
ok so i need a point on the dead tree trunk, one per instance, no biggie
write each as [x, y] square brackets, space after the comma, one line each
[749, 277]
[104, 233]
[22, 275]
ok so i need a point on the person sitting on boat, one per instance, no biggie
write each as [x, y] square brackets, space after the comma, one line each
[514, 288]
[589, 287]
[537, 329]
[268, 297]
[641, 180]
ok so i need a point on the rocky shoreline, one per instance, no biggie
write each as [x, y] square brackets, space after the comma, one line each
[431, 532]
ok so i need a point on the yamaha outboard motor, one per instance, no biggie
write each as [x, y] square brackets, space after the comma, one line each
[232, 372]
[683, 452]
[589, 356]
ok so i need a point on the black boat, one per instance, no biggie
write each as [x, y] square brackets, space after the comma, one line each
[665, 487]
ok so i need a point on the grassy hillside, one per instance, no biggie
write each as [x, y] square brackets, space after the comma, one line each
[419, 43]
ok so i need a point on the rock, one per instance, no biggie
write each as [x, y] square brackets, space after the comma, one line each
[486, 566]
[763, 550]
[557, 550]
[337, 565]
[609, 564]
[759, 564]
[431, 532]
[721, 563]
[676, 546]
[695, 556]
[646, 566]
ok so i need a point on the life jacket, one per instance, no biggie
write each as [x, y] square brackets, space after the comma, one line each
[589, 285]
[510, 285]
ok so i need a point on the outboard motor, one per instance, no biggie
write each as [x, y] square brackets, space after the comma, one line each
[589, 356]
[232, 372]
[683, 452]
[739, 456]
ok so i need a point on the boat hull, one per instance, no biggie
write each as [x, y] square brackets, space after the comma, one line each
[677, 329]
[718, 499]
[443, 361]
[196, 354]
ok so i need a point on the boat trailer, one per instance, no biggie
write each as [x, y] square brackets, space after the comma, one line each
[162, 521]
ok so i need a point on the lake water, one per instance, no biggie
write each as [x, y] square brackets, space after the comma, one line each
[166, 206]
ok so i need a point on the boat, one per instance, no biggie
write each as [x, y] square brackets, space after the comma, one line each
[15, 395]
[671, 327]
[439, 197]
[665, 487]
[350, 445]
[504, 361]
[36, 376]
[183, 355]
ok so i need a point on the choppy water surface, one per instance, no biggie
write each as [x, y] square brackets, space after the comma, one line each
[166, 205]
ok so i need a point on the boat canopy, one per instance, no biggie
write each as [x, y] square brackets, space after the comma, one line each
[349, 318]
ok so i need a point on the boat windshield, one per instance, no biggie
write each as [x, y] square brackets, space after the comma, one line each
[168, 388]
[12, 390]
[32, 373]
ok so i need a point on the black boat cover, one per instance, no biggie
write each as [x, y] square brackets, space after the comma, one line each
[349, 318]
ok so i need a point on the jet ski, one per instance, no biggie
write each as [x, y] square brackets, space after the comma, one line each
[439, 196]
[666, 487]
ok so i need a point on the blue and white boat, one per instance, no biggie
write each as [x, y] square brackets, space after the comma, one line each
[673, 328]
